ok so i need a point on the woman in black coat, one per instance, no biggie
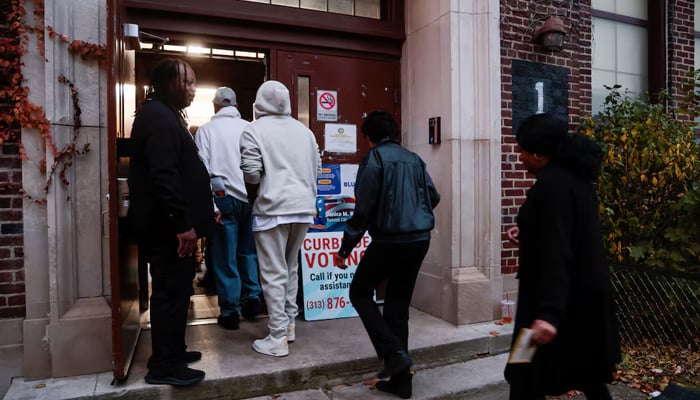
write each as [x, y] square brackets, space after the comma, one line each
[564, 292]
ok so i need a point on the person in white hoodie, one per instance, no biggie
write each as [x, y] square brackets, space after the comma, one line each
[232, 246]
[280, 161]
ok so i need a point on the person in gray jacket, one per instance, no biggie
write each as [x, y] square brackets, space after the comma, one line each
[232, 246]
[394, 200]
[280, 163]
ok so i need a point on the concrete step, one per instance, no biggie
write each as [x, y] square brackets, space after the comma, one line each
[325, 354]
[478, 379]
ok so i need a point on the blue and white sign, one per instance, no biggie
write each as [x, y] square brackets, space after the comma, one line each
[325, 287]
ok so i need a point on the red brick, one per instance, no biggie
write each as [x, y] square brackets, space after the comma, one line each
[10, 215]
[11, 240]
[12, 312]
[10, 264]
[10, 162]
[18, 300]
[515, 192]
[11, 288]
[514, 175]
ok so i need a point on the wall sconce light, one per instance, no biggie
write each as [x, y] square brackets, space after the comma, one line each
[551, 34]
[132, 38]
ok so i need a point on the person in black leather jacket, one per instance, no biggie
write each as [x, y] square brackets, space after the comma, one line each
[395, 198]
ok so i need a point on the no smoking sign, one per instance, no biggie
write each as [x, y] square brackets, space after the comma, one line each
[326, 105]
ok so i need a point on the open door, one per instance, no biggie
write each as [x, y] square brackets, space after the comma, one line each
[127, 300]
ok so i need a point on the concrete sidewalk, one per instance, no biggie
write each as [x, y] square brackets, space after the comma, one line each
[479, 379]
[325, 354]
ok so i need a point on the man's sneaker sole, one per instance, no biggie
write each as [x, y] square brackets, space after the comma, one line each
[171, 380]
[275, 353]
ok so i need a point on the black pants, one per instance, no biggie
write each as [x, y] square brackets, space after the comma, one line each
[171, 281]
[399, 264]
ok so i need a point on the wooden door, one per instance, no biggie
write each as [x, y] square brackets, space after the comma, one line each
[360, 85]
[128, 300]
[357, 86]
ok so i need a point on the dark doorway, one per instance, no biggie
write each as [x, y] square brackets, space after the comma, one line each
[243, 75]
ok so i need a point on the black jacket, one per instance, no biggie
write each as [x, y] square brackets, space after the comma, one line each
[168, 183]
[564, 280]
[394, 198]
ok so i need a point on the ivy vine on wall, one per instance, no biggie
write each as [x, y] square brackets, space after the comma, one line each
[14, 90]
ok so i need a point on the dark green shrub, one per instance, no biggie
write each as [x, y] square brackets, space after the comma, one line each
[649, 185]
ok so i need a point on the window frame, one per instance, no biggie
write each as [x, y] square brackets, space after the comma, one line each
[656, 42]
[390, 26]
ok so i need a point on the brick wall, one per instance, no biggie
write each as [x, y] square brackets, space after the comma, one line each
[681, 44]
[12, 299]
[519, 19]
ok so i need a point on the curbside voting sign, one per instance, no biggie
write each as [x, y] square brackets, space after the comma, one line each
[325, 287]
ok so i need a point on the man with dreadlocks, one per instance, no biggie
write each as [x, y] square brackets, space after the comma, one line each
[170, 208]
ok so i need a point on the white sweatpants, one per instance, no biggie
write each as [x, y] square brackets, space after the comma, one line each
[278, 260]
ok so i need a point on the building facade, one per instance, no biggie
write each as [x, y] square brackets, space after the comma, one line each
[69, 292]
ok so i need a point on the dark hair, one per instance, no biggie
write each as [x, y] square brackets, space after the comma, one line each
[547, 136]
[379, 125]
[541, 134]
[165, 73]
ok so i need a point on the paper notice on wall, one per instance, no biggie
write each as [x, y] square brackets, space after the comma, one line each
[340, 138]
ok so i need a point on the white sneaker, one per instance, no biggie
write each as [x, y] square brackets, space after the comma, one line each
[291, 335]
[272, 346]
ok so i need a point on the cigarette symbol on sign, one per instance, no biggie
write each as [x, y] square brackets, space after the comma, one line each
[327, 101]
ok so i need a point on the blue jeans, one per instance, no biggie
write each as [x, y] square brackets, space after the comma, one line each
[233, 255]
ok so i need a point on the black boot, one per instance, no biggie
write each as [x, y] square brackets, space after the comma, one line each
[229, 322]
[252, 309]
[400, 385]
[394, 363]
